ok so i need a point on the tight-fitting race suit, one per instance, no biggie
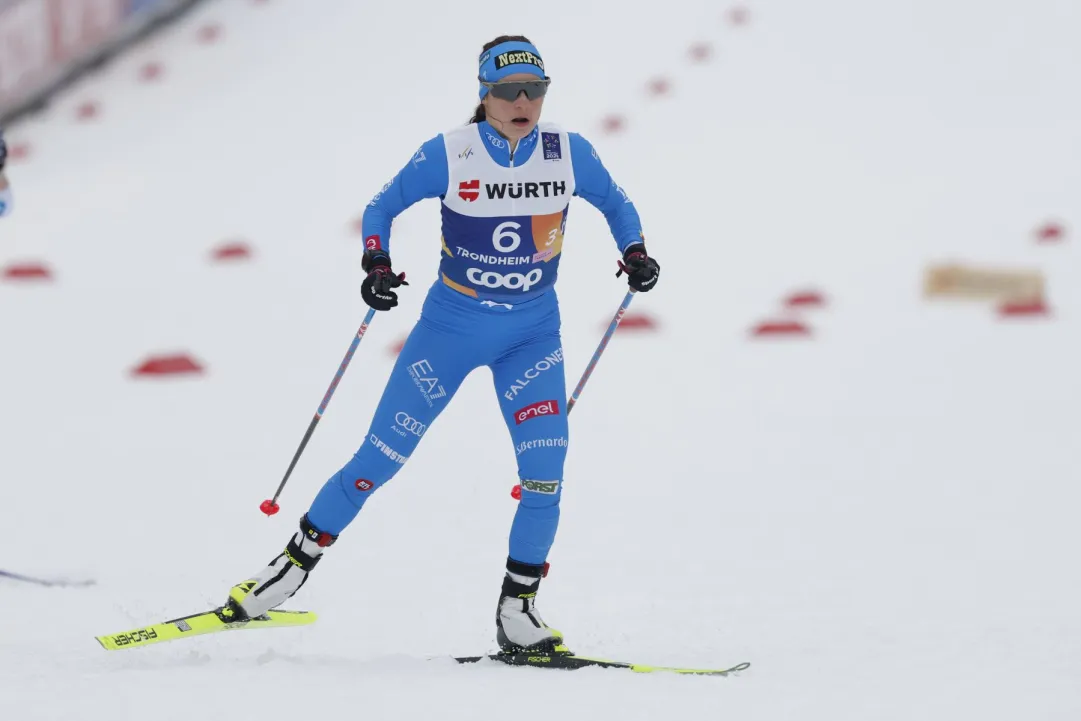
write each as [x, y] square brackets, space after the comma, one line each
[493, 305]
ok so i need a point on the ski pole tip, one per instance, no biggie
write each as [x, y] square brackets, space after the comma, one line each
[269, 507]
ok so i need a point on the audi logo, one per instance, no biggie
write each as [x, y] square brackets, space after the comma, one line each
[404, 420]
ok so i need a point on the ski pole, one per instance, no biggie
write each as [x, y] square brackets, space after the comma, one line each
[270, 506]
[600, 349]
[45, 581]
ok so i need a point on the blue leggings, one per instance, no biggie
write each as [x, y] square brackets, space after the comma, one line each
[454, 336]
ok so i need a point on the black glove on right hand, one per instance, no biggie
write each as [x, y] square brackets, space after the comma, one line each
[3, 151]
[377, 288]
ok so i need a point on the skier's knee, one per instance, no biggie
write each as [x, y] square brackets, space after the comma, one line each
[342, 497]
[357, 488]
[542, 461]
[366, 471]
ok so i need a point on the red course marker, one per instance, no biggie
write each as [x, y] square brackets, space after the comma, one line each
[87, 110]
[701, 52]
[209, 33]
[19, 151]
[612, 124]
[150, 71]
[168, 365]
[1024, 308]
[739, 15]
[28, 271]
[781, 328]
[805, 299]
[236, 250]
[636, 321]
[1051, 233]
[659, 86]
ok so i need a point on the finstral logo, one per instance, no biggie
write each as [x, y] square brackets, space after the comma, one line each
[536, 410]
[469, 190]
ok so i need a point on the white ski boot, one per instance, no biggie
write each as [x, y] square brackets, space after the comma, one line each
[275, 584]
[519, 626]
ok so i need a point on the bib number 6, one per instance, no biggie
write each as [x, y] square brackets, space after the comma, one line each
[505, 239]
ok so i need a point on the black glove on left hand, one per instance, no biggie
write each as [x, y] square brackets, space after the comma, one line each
[3, 151]
[642, 271]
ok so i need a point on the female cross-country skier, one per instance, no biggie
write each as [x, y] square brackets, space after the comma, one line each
[5, 188]
[505, 182]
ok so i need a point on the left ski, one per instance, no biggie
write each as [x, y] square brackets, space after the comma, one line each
[563, 658]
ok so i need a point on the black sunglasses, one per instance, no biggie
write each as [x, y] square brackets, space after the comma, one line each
[533, 89]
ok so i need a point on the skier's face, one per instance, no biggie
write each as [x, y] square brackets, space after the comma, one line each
[514, 118]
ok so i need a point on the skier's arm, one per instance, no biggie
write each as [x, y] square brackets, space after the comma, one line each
[6, 199]
[424, 176]
[593, 183]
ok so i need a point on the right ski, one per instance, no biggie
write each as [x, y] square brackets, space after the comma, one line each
[562, 658]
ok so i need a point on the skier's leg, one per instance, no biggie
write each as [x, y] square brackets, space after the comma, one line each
[428, 372]
[532, 392]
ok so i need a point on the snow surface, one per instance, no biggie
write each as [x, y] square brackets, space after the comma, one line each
[882, 520]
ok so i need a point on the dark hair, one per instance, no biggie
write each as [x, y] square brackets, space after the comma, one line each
[479, 114]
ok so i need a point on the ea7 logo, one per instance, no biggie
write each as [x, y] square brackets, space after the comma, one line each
[536, 410]
[364, 485]
[469, 190]
[426, 381]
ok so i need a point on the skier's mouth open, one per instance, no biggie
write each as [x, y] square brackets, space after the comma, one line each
[521, 122]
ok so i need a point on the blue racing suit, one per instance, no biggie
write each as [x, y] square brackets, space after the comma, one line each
[504, 215]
